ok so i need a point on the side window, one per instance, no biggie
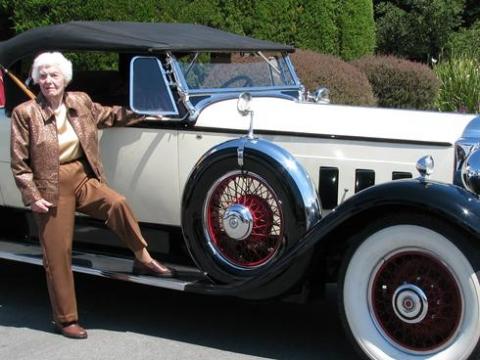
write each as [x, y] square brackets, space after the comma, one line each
[150, 92]
[2, 91]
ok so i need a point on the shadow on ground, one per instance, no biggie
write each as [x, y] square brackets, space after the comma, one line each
[272, 330]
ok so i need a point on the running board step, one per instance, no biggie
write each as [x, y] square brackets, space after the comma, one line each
[104, 266]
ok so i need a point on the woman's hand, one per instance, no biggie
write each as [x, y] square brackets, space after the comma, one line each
[41, 206]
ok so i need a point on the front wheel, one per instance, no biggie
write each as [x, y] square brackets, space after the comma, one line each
[409, 290]
[237, 222]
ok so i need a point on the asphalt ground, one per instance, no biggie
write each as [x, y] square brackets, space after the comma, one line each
[131, 321]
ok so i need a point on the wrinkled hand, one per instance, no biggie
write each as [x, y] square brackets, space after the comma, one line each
[41, 206]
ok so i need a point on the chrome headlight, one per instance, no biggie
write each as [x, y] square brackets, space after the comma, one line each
[464, 147]
[470, 172]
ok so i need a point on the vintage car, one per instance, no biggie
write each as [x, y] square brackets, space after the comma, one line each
[252, 187]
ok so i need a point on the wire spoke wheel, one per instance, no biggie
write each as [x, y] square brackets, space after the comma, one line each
[420, 290]
[416, 301]
[243, 221]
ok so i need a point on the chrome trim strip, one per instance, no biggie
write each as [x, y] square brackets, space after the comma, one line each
[241, 151]
[256, 89]
[322, 136]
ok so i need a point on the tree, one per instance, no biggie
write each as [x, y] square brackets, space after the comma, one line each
[471, 13]
[416, 29]
[6, 24]
[356, 28]
[317, 28]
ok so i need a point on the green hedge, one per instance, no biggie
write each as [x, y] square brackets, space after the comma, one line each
[357, 28]
[399, 83]
[343, 28]
[347, 85]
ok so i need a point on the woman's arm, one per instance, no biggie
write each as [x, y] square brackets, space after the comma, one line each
[20, 159]
[111, 116]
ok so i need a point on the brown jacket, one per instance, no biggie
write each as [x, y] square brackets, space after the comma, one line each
[34, 143]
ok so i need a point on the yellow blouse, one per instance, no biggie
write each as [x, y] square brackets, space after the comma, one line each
[68, 143]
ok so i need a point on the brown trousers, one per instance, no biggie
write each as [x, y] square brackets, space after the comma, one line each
[79, 191]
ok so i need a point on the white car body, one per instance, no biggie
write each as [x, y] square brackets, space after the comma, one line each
[160, 161]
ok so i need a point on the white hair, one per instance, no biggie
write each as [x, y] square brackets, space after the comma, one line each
[47, 59]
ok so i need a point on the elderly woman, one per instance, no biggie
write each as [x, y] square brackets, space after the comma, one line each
[57, 168]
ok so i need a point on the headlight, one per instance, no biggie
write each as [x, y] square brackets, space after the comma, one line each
[464, 147]
[470, 172]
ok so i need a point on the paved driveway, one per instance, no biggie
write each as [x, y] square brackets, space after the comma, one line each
[128, 321]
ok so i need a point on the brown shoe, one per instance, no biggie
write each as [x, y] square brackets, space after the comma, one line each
[153, 268]
[71, 330]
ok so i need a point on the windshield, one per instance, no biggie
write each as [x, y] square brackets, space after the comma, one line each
[235, 70]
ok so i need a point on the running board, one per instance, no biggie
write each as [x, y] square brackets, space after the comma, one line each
[104, 266]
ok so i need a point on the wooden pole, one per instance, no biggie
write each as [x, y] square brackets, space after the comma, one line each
[19, 83]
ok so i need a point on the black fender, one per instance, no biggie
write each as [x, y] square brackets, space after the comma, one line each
[459, 206]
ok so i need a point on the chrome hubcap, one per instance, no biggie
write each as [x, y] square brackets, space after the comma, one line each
[238, 222]
[410, 304]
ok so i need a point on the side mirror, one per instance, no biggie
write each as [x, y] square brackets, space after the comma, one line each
[244, 107]
[150, 92]
[243, 103]
[321, 96]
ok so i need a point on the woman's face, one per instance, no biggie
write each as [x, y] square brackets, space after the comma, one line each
[51, 81]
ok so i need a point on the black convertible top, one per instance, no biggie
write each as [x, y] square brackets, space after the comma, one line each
[128, 37]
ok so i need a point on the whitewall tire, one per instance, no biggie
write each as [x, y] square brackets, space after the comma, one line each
[409, 290]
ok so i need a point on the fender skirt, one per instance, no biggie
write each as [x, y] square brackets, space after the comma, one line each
[461, 207]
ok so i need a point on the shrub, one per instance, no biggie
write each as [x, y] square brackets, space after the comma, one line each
[399, 83]
[460, 85]
[347, 85]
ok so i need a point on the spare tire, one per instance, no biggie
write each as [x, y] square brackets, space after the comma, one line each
[240, 215]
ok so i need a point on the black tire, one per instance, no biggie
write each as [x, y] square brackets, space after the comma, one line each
[225, 259]
[408, 289]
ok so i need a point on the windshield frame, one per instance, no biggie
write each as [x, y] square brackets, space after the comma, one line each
[287, 66]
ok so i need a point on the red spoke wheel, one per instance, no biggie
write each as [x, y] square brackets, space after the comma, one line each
[241, 215]
[243, 220]
[416, 301]
[409, 290]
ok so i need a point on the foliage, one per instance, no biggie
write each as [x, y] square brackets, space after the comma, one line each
[317, 28]
[460, 84]
[6, 24]
[465, 42]
[399, 83]
[328, 25]
[357, 28]
[346, 84]
[471, 13]
[416, 29]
